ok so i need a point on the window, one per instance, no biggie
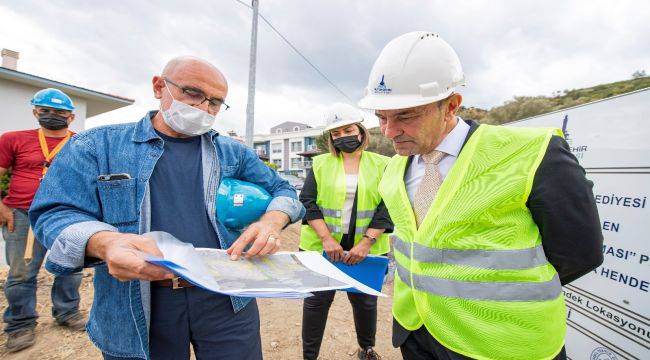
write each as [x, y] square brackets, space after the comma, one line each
[278, 162]
[260, 149]
[276, 148]
[296, 146]
[296, 128]
[296, 163]
[278, 131]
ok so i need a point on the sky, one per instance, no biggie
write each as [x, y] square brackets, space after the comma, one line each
[507, 48]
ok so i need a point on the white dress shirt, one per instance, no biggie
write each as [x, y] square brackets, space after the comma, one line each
[450, 145]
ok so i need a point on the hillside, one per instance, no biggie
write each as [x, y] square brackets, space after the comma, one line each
[522, 107]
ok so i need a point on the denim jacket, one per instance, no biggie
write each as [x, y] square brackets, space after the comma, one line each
[71, 205]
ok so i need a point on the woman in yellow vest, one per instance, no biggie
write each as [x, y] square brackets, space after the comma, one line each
[347, 219]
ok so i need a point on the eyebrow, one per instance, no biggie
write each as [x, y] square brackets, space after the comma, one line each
[403, 112]
[202, 92]
[409, 111]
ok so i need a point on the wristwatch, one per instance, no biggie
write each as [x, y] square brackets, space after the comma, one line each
[373, 240]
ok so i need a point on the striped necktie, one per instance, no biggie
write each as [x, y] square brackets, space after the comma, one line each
[429, 185]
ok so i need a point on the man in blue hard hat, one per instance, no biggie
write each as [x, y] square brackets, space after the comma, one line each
[113, 183]
[29, 153]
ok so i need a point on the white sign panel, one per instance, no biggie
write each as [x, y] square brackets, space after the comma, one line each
[608, 310]
[613, 133]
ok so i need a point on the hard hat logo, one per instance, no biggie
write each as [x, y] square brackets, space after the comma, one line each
[340, 114]
[382, 88]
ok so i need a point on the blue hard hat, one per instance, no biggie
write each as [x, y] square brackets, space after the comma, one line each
[240, 203]
[53, 98]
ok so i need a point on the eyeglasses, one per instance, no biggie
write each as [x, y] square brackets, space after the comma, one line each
[197, 97]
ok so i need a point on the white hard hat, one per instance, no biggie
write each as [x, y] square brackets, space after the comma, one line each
[340, 114]
[413, 69]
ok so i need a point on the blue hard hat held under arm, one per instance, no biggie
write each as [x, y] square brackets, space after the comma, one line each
[240, 203]
[53, 98]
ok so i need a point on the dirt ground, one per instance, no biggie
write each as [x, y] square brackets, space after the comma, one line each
[280, 324]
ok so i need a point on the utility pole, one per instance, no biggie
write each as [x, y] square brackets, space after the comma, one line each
[250, 107]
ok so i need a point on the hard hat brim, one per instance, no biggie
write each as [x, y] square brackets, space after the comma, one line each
[394, 102]
[53, 106]
[342, 124]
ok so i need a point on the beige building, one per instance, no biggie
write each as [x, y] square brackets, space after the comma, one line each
[290, 146]
[17, 89]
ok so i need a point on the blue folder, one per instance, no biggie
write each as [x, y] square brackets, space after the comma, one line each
[370, 272]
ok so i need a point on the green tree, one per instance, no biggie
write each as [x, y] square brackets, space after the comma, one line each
[4, 183]
[520, 107]
[321, 142]
[471, 113]
[271, 165]
[379, 143]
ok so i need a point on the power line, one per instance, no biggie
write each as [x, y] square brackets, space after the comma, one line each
[299, 53]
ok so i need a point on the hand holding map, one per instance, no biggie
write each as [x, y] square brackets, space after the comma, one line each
[281, 275]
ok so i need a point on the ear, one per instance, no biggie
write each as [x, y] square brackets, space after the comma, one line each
[158, 86]
[453, 105]
[71, 118]
[35, 113]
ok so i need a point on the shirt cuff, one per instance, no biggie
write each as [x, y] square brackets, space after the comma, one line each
[290, 206]
[68, 252]
[314, 215]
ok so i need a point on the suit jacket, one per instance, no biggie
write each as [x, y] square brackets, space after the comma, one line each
[562, 205]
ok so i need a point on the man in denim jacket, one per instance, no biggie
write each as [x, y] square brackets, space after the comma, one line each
[110, 184]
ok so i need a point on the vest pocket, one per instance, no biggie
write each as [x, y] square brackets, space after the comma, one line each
[118, 200]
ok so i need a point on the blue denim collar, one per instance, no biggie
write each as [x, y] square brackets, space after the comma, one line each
[145, 132]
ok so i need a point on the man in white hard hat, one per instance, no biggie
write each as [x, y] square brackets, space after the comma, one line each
[490, 221]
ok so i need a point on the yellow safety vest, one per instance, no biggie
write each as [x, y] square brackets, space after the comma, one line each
[330, 182]
[474, 273]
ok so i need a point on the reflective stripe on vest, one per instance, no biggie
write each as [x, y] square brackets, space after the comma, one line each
[475, 290]
[337, 213]
[337, 229]
[487, 259]
[330, 212]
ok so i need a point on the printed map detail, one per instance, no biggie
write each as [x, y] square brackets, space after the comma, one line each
[278, 272]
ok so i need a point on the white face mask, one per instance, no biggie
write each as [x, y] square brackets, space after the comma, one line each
[187, 119]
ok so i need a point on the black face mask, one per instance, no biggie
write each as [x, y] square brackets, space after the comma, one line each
[53, 121]
[347, 144]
